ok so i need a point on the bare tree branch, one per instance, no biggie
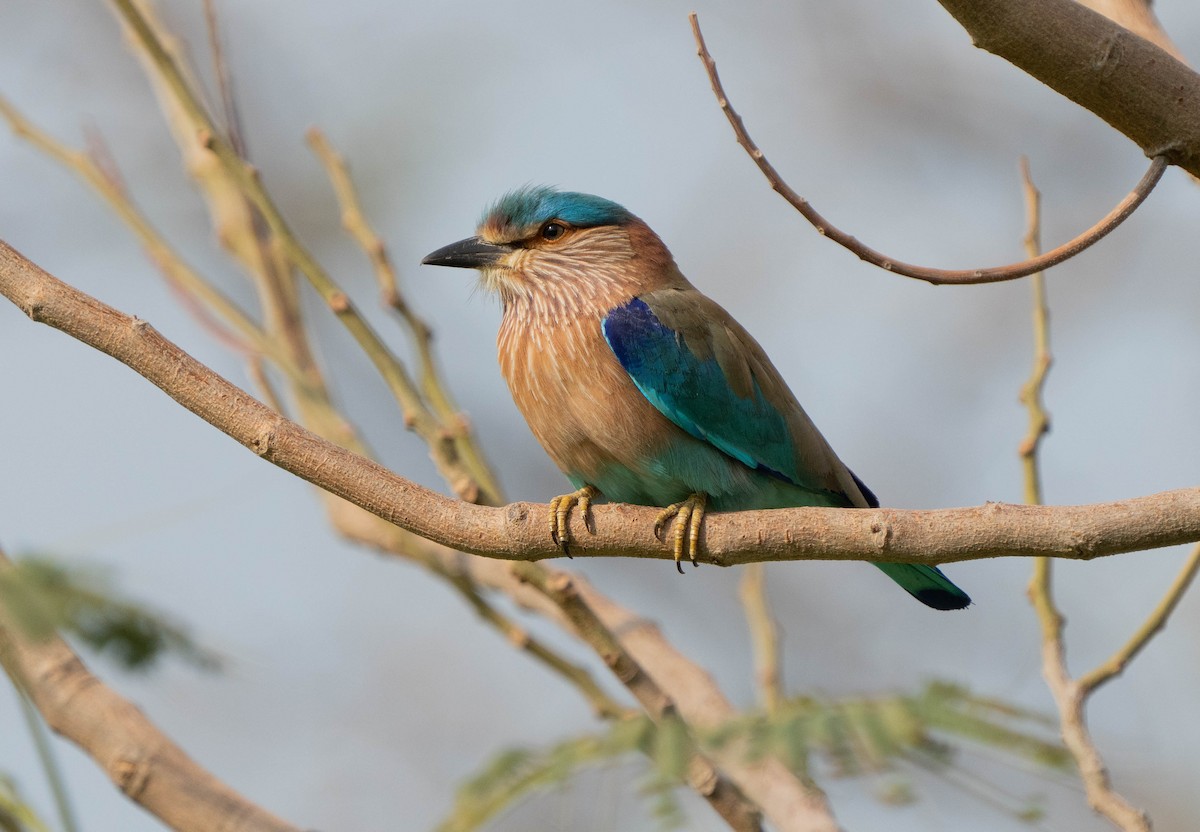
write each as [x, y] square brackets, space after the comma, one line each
[141, 761]
[517, 532]
[1138, 17]
[1069, 697]
[1135, 86]
[354, 220]
[936, 276]
[722, 795]
[246, 177]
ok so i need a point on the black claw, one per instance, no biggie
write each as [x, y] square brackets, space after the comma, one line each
[679, 567]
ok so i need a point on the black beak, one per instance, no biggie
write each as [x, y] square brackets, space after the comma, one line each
[471, 253]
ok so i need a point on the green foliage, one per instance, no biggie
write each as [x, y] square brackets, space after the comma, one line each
[851, 737]
[866, 735]
[42, 597]
[515, 773]
[15, 814]
[952, 709]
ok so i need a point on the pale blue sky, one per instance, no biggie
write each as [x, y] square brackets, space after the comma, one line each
[360, 690]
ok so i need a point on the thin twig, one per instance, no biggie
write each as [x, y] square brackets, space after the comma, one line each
[937, 276]
[354, 220]
[107, 183]
[246, 176]
[604, 706]
[97, 169]
[764, 635]
[229, 110]
[1031, 391]
[41, 742]
[721, 794]
[1116, 664]
[1070, 696]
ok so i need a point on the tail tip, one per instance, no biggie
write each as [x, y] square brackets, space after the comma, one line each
[943, 599]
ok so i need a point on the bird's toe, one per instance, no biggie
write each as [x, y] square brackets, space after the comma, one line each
[560, 514]
[689, 519]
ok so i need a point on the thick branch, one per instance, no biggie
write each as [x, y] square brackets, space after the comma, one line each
[143, 762]
[1135, 86]
[517, 532]
[1138, 17]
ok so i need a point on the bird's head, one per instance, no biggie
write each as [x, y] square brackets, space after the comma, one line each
[541, 241]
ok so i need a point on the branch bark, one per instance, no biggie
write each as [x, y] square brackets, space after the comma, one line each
[1138, 17]
[721, 794]
[142, 762]
[517, 531]
[1135, 86]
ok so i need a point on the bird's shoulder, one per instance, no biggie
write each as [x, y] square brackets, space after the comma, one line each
[761, 421]
[709, 332]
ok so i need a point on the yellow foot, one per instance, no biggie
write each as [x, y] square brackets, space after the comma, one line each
[560, 510]
[689, 517]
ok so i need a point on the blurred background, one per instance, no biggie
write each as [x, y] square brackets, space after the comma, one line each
[359, 690]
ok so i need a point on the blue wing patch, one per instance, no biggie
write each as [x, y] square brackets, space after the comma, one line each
[695, 394]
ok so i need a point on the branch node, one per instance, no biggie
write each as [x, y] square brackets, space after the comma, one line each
[35, 305]
[1110, 54]
[263, 442]
[561, 585]
[339, 302]
[131, 773]
[518, 637]
[467, 489]
[881, 534]
[702, 777]
[517, 513]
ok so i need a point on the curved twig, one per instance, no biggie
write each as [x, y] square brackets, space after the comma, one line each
[247, 179]
[454, 422]
[993, 274]
[517, 532]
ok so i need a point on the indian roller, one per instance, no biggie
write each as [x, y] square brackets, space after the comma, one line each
[642, 389]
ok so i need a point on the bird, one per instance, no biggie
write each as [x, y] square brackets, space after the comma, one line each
[641, 388]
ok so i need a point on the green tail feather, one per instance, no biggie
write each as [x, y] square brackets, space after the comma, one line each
[927, 584]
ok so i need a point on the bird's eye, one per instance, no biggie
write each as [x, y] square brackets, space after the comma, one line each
[553, 230]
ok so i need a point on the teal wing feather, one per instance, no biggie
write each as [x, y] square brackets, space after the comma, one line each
[701, 370]
[706, 374]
